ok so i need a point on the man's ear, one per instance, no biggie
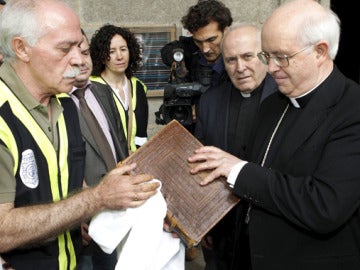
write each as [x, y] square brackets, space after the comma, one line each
[21, 48]
[321, 49]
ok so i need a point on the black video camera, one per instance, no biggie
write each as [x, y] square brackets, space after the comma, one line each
[178, 94]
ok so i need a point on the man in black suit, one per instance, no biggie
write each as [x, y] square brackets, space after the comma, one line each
[207, 22]
[225, 119]
[302, 180]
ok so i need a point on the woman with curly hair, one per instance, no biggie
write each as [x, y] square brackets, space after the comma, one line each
[116, 56]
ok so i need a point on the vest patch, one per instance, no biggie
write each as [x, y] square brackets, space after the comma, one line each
[28, 169]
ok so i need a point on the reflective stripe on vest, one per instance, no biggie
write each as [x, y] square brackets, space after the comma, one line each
[53, 162]
[9, 142]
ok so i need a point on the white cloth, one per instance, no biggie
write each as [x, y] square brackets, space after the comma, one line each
[138, 236]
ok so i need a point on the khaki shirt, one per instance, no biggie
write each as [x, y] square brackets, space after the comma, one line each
[40, 114]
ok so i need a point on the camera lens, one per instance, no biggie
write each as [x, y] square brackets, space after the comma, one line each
[179, 112]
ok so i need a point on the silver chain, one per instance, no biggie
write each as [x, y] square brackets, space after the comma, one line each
[247, 218]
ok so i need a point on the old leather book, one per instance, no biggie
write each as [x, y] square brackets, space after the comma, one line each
[192, 209]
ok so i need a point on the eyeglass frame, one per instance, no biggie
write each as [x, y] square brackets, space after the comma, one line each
[265, 57]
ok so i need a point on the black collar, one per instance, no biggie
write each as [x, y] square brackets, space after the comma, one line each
[301, 102]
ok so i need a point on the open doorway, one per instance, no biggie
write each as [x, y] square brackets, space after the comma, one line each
[348, 57]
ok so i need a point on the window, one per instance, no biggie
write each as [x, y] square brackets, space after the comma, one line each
[154, 73]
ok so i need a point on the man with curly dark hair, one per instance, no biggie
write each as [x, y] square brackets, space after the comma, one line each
[116, 56]
[206, 21]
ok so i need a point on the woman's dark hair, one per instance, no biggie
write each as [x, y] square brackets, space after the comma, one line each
[100, 48]
[204, 12]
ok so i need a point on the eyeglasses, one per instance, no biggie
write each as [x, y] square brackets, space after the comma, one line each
[279, 60]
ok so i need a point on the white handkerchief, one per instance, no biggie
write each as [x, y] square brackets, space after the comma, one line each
[138, 235]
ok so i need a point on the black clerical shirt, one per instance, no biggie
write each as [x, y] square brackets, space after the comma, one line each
[242, 113]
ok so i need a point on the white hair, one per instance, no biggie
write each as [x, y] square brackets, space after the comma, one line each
[325, 27]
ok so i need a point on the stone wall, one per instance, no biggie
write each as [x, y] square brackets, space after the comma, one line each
[140, 13]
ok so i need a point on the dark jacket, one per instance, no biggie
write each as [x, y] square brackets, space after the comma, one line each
[208, 75]
[212, 128]
[213, 117]
[199, 71]
[95, 167]
[305, 212]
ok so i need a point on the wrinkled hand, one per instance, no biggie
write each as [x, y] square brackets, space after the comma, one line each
[215, 159]
[86, 239]
[120, 190]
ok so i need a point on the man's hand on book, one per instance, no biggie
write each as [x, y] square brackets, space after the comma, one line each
[215, 159]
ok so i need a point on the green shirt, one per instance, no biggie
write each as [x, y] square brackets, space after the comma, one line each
[40, 114]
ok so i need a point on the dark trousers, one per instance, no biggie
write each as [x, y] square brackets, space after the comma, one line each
[93, 258]
[231, 249]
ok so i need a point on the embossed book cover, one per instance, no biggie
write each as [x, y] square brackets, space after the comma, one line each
[192, 210]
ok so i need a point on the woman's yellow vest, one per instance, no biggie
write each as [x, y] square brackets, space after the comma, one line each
[122, 111]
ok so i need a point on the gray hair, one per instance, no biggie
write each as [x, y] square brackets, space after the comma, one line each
[19, 18]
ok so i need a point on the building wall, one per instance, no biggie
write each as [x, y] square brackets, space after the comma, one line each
[140, 13]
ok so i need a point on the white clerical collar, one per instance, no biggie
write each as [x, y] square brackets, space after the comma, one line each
[245, 95]
[294, 102]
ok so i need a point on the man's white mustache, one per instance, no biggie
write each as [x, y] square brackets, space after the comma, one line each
[71, 73]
